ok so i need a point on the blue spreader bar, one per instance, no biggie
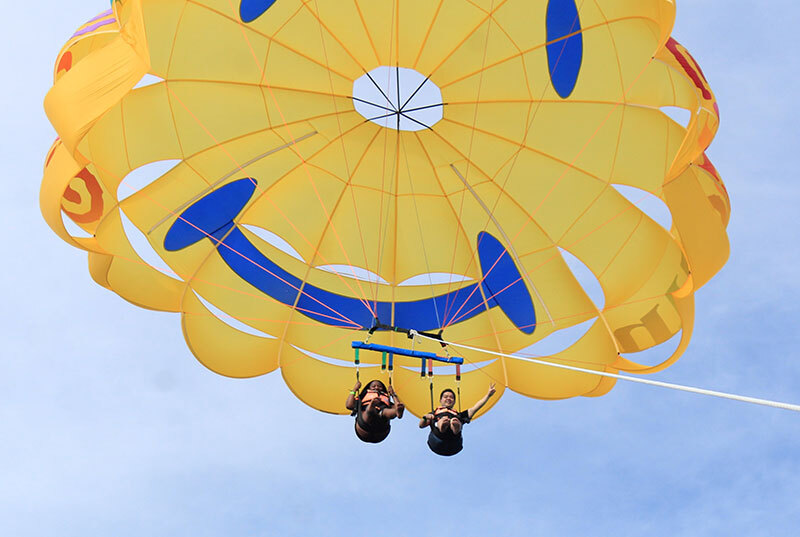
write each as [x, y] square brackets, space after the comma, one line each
[405, 352]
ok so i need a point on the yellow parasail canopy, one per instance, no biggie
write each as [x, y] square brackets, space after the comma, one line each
[430, 165]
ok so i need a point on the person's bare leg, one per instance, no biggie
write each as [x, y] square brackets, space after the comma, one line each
[455, 425]
[389, 413]
[443, 425]
[371, 410]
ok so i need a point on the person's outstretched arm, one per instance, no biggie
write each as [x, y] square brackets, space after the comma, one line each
[351, 397]
[425, 420]
[479, 405]
[397, 404]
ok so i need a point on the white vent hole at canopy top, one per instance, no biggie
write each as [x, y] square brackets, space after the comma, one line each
[398, 98]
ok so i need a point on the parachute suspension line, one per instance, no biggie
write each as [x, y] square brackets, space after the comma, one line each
[515, 157]
[468, 156]
[304, 163]
[539, 101]
[554, 256]
[262, 192]
[509, 245]
[381, 249]
[439, 318]
[560, 178]
[341, 316]
[186, 277]
[571, 164]
[341, 140]
[669, 385]
[383, 222]
[224, 178]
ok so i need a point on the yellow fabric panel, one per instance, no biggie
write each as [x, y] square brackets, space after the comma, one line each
[712, 185]
[235, 159]
[130, 276]
[215, 282]
[700, 225]
[150, 133]
[273, 100]
[557, 295]
[319, 384]
[602, 231]
[95, 84]
[554, 195]
[161, 19]
[105, 146]
[78, 48]
[344, 21]
[281, 204]
[224, 349]
[659, 11]
[234, 54]
[595, 351]
[414, 20]
[701, 131]
[205, 118]
[490, 144]
[515, 20]
[486, 46]
[347, 149]
[99, 265]
[320, 47]
[359, 237]
[286, 68]
[157, 205]
[583, 137]
[451, 246]
[685, 309]
[445, 35]
[636, 261]
[60, 171]
[635, 42]
[643, 163]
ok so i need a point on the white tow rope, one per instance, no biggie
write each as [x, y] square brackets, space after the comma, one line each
[690, 389]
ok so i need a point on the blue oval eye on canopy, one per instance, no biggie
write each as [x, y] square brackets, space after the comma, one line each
[250, 10]
[565, 48]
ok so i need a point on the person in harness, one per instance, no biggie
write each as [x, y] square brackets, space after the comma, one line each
[445, 423]
[373, 407]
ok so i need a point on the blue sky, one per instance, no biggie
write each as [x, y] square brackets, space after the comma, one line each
[111, 427]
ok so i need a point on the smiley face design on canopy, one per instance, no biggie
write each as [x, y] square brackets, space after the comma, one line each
[448, 165]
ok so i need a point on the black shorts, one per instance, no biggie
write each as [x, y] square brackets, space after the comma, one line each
[445, 445]
[372, 432]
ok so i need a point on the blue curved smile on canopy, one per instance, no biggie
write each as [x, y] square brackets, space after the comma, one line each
[212, 217]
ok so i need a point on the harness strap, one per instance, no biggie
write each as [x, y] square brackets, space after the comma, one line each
[458, 385]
